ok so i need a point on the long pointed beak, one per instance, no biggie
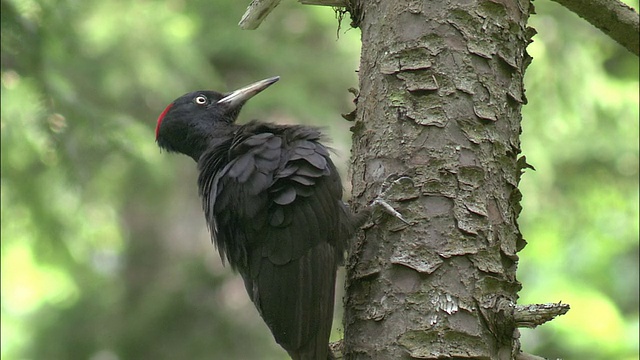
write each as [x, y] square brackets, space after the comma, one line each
[241, 95]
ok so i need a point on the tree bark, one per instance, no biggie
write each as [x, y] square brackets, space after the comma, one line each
[437, 136]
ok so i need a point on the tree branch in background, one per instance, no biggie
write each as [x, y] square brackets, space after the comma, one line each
[616, 19]
[256, 12]
[338, 3]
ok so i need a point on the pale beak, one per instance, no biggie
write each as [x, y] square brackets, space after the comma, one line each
[241, 95]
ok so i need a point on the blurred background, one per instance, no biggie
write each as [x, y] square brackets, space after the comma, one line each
[105, 252]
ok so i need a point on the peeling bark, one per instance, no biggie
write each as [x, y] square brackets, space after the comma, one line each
[437, 134]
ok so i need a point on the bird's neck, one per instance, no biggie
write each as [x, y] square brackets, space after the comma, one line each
[222, 133]
[216, 137]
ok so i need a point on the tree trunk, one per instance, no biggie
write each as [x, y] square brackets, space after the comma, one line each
[437, 137]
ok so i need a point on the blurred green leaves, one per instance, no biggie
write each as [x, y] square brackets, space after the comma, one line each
[105, 253]
[581, 205]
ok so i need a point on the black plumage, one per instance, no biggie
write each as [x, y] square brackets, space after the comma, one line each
[272, 198]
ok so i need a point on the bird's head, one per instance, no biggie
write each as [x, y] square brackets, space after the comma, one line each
[189, 122]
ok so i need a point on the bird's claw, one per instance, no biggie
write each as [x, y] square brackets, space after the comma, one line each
[379, 202]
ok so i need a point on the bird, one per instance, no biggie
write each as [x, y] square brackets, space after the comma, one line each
[272, 200]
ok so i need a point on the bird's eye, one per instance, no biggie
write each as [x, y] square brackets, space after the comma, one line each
[200, 100]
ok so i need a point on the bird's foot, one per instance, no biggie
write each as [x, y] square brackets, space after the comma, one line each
[394, 188]
[380, 203]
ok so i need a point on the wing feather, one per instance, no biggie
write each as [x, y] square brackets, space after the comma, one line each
[272, 199]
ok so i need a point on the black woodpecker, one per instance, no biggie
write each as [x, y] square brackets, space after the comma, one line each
[272, 199]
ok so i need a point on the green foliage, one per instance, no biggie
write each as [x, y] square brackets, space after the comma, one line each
[105, 253]
[581, 205]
